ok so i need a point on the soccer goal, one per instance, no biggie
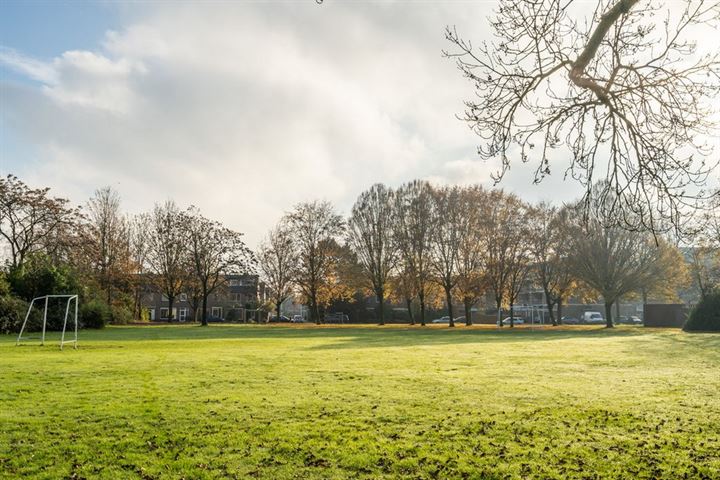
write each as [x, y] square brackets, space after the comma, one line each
[69, 299]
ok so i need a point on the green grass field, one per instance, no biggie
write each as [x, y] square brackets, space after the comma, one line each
[362, 402]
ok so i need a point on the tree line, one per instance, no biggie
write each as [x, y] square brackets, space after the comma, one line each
[107, 256]
[422, 242]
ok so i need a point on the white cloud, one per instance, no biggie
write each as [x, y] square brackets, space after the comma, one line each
[35, 69]
[245, 110]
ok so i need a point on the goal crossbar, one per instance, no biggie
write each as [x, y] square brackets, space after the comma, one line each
[69, 299]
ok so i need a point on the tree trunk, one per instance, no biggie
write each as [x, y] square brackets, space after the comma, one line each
[381, 310]
[277, 308]
[408, 302]
[203, 314]
[608, 315]
[498, 303]
[171, 301]
[617, 309]
[512, 315]
[421, 295]
[468, 311]
[549, 302]
[559, 310]
[448, 298]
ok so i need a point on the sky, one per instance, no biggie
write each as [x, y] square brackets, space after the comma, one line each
[242, 109]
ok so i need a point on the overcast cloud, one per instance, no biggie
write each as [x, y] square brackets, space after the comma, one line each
[244, 110]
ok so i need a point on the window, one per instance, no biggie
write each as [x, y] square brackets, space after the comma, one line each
[235, 283]
[183, 314]
[164, 313]
[217, 312]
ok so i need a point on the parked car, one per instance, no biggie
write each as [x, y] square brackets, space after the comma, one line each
[297, 319]
[275, 319]
[214, 319]
[592, 318]
[629, 320]
[569, 321]
[441, 320]
[516, 321]
[460, 319]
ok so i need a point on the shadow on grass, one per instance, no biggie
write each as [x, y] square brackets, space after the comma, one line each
[371, 336]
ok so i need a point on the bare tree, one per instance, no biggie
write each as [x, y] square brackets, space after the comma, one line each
[32, 221]
[517, 253]
[278, 260]
[166, 251]
[314, 225]
[471, 252]
[548, 241]
[370, 235]
[626, 85]
[446, 236]
[412, 234]
[107, 233]
[613, 261]
[138, 227]
[213, 252]
[499, 241]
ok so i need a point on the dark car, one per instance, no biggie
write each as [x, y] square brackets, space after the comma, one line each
[569, 321]
[629, 320]
[214, 319]
[275, 319]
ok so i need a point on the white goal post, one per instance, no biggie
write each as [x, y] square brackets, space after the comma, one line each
[69, 300]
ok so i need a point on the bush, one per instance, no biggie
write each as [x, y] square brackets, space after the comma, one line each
[12, 314]
[705, 316]
[121, 315]
[94, 314]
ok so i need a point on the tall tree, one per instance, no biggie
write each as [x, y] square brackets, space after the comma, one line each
[613, 261]
[548, 231]
[446, 236]
[623, 85]
[471, 256]
[33, 221]
[370, 235]
[166, 251]
[214, 251]
[108, 239]
[412, 234]
[278, 260]
[315, 226]
[517, 254]
[499, 244]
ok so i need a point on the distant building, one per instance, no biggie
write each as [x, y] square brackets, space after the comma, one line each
[235, 300]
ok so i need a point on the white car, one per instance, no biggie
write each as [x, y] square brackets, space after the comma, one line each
[441, 320]
[517, 321]
[297, 319]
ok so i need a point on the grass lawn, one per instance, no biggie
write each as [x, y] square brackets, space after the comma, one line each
[362, 402]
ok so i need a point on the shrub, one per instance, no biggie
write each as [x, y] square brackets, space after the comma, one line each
[12, 314]
[121, 315]
[94, 314]
[705, 316]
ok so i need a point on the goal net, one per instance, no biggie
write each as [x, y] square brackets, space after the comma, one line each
[69, 300]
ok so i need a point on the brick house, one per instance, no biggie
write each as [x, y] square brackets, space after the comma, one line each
[234, 300]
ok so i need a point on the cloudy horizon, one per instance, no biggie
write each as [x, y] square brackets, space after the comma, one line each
[245, 110]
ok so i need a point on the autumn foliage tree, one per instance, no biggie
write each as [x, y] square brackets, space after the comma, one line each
[315, 226]
[33, 221]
